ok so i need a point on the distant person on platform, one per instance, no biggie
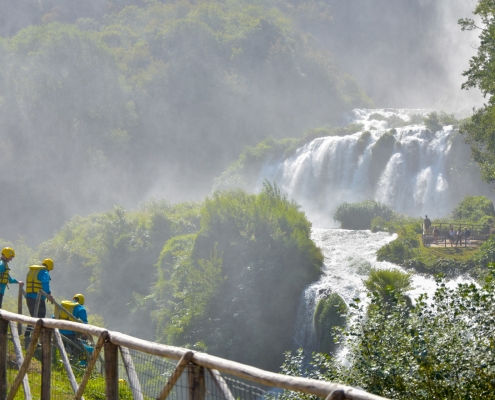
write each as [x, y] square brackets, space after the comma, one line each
[7, 255]
[436, 233]
[76, 308]
[467, 236]
[451, 236]
[427, 224]
[458, 237]
[38, 278]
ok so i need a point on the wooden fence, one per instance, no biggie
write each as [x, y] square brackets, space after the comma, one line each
[438, 235]
[110, 343]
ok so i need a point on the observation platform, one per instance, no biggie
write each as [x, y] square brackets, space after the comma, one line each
[438, 235]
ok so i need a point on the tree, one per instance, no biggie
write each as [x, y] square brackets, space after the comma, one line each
[440, 348]
[480, 130]
[233, 288]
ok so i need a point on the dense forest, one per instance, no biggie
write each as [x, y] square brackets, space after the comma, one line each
[155, 98]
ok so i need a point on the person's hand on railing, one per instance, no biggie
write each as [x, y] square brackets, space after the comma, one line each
[50, 298]
[21, 283]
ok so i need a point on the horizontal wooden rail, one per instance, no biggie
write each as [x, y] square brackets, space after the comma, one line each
[304, 385]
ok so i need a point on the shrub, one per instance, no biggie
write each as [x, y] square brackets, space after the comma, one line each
[386, 281]
[359, 215]
[395, 121]
[377, 117]
[329, 313]
[380, 224]
[473, 208]
[400, 249]
[432, 122]
[416, 119]
[234, 287]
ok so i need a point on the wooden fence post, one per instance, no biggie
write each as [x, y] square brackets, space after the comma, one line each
[4, 324]
[221, 384]
[46, 363]
[19, 309]
[20, 359]
[134, 383]
[172, 380]
[111, 371]
[196, 380]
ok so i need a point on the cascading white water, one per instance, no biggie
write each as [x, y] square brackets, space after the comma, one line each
[349, 255]
[404, 168]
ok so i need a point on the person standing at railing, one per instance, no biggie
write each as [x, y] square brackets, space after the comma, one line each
[77, 309]
[458, 237]
[38, 278]
[467, 236]
[436, 234]
[426, 225]
[7, 255]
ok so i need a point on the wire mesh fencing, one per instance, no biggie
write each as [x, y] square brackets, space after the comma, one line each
[152, 373]
[118, 366]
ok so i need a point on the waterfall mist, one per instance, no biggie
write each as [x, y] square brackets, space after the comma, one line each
[409, 168]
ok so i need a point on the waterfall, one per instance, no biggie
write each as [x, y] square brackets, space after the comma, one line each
[349, 256]
[394, 159]
[404, 167]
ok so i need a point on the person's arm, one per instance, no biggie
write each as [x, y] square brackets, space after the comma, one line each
[44, 278]
[82, 315]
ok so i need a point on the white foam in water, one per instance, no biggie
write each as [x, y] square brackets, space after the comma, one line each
[349, 255]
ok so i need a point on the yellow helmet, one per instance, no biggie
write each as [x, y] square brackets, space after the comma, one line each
[79, 298]
[48, 262]
[8, 252]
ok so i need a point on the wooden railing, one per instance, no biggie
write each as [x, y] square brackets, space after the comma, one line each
[478, 234]
[111, 343]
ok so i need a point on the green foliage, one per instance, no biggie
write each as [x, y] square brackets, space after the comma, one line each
[377, 117]
[480, 74]
[486, 255]
[329, 313]
[400, 249]
[380, 224]
[432, 122]
[385, 281]
[148, 91]
[230, 289]
[435, 121]
[473, 208]
[416, 119]
[95, 390]
[360, 215]
[440, 348]
[111, 257]
[395, 121]
[448, 119]
[479, 135]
